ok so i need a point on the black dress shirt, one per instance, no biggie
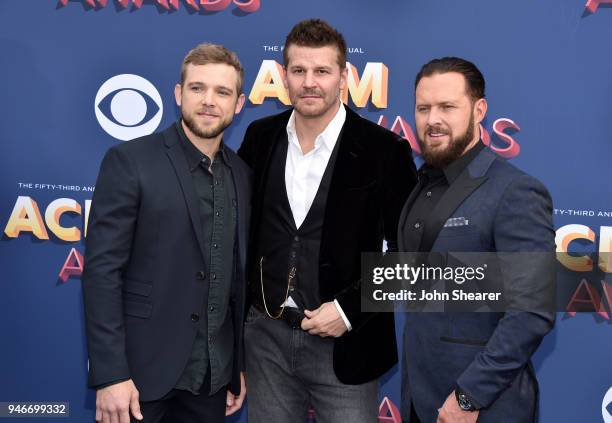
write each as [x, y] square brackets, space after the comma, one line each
[435, 182]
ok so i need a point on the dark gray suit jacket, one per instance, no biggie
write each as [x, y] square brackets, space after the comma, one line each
[146, 270]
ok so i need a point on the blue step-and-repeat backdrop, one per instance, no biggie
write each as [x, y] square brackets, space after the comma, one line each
[81, 76]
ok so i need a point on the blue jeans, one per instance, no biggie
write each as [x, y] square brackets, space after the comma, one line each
[289, 371]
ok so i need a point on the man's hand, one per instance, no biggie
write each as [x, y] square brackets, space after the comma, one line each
[324, 321]
[234, 402]
[451, 413]
[115, 402]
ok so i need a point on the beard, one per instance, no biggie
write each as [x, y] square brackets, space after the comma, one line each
[442, 157]
[204, 132]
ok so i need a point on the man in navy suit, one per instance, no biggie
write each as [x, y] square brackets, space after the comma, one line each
[164, 280]
[463, 367]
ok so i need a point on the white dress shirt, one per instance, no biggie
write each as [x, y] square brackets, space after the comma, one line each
[303, 172]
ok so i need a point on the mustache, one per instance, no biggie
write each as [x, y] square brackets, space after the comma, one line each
[310, 92]
[208, 110]
[436, 129]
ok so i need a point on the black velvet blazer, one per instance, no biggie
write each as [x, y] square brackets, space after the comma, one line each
[373, 175]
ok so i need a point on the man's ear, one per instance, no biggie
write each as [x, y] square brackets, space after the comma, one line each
[480, 110]
[239, 103]
[178, 94]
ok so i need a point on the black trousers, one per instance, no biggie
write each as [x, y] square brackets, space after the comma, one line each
[413, 415]
[180, 406]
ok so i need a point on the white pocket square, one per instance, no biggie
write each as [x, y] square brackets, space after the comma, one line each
[456, 221]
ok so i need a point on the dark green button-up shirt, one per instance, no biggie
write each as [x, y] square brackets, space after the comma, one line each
[213, 346]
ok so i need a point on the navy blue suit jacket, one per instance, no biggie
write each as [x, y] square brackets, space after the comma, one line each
[146, 270]
[486, 354]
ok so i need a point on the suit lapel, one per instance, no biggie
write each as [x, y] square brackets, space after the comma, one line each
[269, 141]
[179, 162]
[350, 161]
[277, 136]
[450, 201]
[467, 182]
[241, 184]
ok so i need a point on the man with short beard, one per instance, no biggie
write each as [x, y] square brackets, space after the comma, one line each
[463, 367]
[328, 185]
[164, 278]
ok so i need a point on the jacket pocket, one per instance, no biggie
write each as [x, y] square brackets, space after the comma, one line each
[463, 341]
[135, 302]
[137, 309]
[137, 287]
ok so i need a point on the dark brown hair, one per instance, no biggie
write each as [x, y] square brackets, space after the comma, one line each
[474, 81]
[316, 33]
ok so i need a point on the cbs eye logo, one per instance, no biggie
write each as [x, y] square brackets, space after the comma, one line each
[128, 106]
[606, 407]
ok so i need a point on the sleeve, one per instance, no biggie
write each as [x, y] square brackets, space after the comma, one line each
[523, 224]
[399, 183]
[108, 247]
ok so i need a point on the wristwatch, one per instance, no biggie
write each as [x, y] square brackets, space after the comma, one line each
[464, 401]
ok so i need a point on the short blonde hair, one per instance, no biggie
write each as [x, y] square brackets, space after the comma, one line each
[206, 53]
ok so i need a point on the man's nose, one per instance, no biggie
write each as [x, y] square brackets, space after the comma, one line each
[207, 98]
[309, 79]
[433, 118]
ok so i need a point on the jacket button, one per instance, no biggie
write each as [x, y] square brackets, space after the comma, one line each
[212, 308]
[195, 317]
[200, 275]
[213, 275]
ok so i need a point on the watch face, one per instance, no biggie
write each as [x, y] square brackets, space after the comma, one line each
[464, 403]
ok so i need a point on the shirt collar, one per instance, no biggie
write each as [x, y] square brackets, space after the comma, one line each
[453, 170]
[195, 156]
[328, 137]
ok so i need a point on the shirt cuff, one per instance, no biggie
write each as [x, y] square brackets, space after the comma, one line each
[344, 319]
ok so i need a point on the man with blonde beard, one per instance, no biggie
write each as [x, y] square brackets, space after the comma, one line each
[164, 283]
